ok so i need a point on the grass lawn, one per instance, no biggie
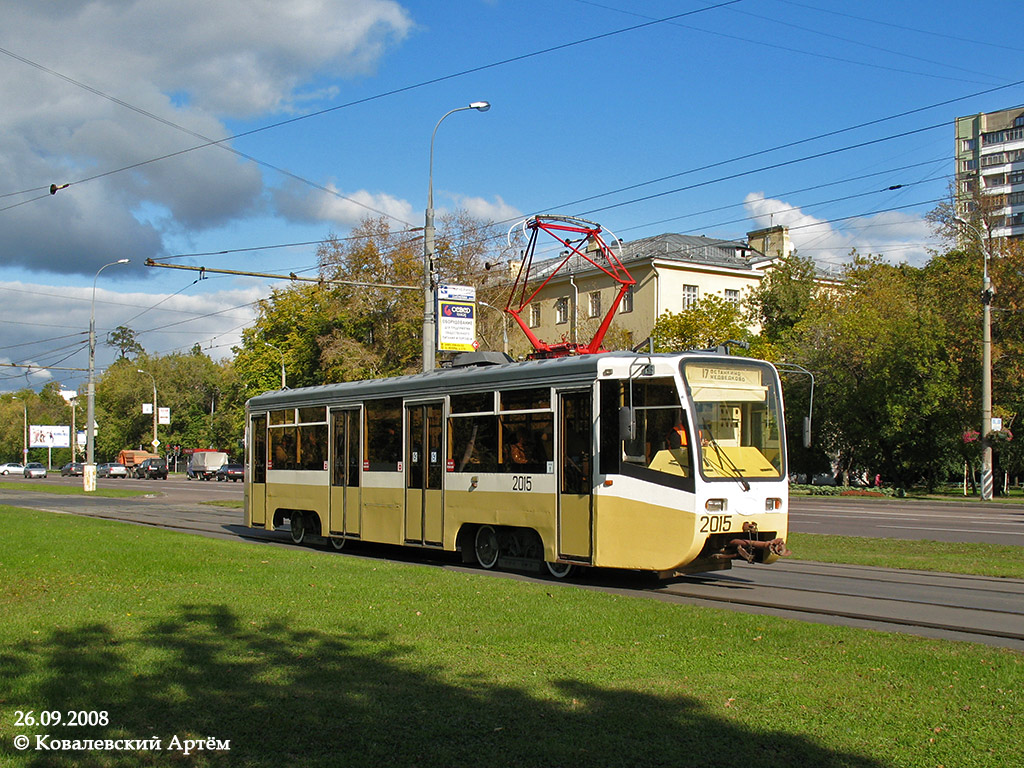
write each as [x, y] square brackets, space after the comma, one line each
[307, 658]
[1001, 560]
[70, 490]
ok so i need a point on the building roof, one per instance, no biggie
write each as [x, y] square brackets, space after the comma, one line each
[686, 249]
[695, 249]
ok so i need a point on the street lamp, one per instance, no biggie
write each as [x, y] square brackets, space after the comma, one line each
[429, 319]
[89, 471]
[986, 367]
[156, 443]
[24, 434]
[504, 325]
[284, 385]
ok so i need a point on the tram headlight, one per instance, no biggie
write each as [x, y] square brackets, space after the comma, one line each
[716, 505]
[771, 505]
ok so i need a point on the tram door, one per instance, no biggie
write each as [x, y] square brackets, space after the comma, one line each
[256, 474]
[424, 506]
[345, 463]
[575, 486]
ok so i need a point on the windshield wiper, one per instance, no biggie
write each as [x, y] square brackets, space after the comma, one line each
[723, 458]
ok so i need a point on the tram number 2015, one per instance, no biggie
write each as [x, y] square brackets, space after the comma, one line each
[522, 483]
[715, 523]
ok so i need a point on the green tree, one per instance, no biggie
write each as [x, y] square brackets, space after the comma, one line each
[124, 340]
[886, 373]
[357, 323]
[783, 297]
[708, 323]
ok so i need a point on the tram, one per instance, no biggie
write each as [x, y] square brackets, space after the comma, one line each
[669, 463]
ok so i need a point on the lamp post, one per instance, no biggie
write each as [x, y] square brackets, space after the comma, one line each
[504, 325]
[429, 318]
[24, 433]
[156, 443]
[986, 367]
[284, 385]
[89, 470]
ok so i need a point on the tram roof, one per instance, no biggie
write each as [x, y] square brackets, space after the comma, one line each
[442, 381]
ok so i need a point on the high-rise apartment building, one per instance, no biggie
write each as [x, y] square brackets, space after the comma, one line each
[990, 162]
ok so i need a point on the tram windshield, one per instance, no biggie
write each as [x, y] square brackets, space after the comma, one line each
[737, 419]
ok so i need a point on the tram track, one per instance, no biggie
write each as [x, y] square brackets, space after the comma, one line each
[978, 609]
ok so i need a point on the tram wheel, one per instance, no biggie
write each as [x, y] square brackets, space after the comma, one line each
[298, 527]
[338, 542]
[486, 547]
[559, 570]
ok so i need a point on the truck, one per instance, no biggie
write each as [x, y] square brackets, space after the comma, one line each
[203, 465]
[131, 458]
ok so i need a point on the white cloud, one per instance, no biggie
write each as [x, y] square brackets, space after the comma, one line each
[193, 63]
[48, 327]
[498, 211]
[344, 209]
[895, 235]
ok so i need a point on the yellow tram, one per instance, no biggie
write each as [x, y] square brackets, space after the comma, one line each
[669, 463]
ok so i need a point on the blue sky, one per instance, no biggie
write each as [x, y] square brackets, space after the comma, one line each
[646, 117]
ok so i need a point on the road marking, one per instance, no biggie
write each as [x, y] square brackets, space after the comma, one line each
[950, 530]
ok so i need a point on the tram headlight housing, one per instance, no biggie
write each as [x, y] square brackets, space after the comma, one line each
[772, 505]
[716, 505]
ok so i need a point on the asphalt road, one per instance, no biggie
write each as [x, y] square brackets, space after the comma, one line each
[932, 605]
[969, 520]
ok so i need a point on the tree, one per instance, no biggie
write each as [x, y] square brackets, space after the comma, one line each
[783, 297]
[708, 323]
[887, 375]
[358, 323]
[124, 340]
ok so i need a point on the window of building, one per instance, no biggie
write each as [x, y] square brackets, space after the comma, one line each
[969, 165]
[968, 145]
[997, 158]
[535, 315]
[995, 180]
[732, 296]
[562, 310]
[691, 295]
[626, 305]
[595, 304]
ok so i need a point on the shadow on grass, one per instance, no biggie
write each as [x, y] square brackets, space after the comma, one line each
[287, 698]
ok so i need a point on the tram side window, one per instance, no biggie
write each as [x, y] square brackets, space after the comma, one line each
[302, 447]
[383, 449]
[660, 440]
[312, 447]
[283, 447]
[527, 442]
[473, 443]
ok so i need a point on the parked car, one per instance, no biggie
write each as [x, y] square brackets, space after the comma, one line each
[11, 466]
[112, 470]
[34, 469]
[73, 469]
[150, 469]
[232, 472]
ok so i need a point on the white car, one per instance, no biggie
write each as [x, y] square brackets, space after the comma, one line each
[11, 466]
[34, 469]
[112, 470]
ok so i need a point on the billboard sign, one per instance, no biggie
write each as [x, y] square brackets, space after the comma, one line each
[49, 436]
[456, 318]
